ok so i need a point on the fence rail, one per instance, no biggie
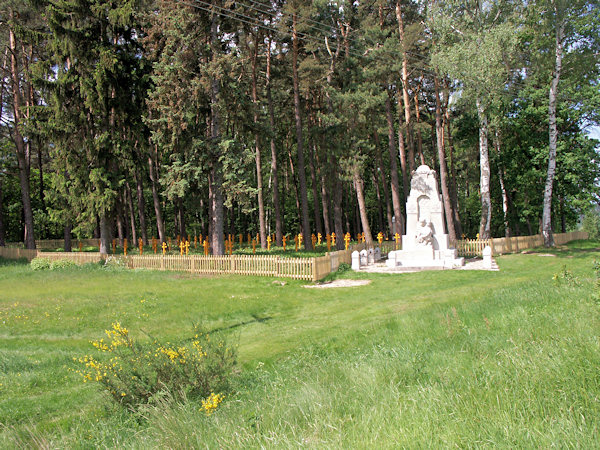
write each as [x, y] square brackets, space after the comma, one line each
[500, 246]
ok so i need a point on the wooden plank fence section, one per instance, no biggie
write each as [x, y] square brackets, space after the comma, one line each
[471, 247]
[17, 253]
[500, 246]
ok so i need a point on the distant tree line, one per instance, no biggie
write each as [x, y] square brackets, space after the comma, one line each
[140, 118]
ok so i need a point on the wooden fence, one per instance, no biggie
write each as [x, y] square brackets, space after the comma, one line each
[500, 246]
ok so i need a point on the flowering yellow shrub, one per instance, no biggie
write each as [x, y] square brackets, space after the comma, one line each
[134, 373]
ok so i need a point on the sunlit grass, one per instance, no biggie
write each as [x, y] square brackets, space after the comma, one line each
[452, 358]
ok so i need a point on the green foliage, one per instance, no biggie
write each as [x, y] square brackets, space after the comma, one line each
[591, 223]
[567, 277]
[62, 264]
[115, 263]
[137, 374]
[40, 264]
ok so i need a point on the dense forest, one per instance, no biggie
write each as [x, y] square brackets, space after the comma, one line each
[141, 118]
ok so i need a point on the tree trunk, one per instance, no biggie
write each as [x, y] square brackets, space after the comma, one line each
[160, 225]
[419, 135]
[275, 175]
[380, 220]
[338, 213]
[402, 150]
[324, 195]
[404, 73]
[216, 177]
[257, 153]
[439, 131]
[299, 138]
[386, 192]
[21, 147]
[181, 218]
[453, 186]
[2, 233]
[399, 221]
[484, 165]
[141, 205]
[315, 189]
[104, 234]
[502, 187]
[362, 208]
[120, 228]
[553, 137]
[131, 213]
[67, 237]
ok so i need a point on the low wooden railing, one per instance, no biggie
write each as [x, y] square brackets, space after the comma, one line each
[474, 247]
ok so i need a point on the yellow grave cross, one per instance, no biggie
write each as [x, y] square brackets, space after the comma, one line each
[125, 247]
[347, 238]
[397, 239]
[249, 240]
[328, 238]
[241, 239]
[80, 246]
[284, 241]
[380, 237]
[114, 245]
[296, 241]
[187, 247]
[269, 242]
[300, 238]
[195, 242]
[181, 247]
[164, 247]
[205, 246]
[333, 238]
[313, 239]
[154, 244]
[253, 246]
[319, 237]
[141, 244]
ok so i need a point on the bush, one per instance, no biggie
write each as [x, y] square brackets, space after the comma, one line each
[115, 263]
[40, 264]
[136, 374]
[62, 264]
[591, 223]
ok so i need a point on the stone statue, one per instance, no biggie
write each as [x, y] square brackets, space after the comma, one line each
[424, 235]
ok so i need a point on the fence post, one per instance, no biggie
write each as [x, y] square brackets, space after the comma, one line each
[314, 269]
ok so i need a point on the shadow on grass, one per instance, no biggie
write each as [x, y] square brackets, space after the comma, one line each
[573, 249]
[13, 262]
[256, 319]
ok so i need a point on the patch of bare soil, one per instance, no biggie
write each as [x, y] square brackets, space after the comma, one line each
[338, 284]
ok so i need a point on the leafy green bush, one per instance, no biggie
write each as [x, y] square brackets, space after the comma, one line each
[591, 223]
[40, 264]
[136, 374]
[62, 264]
[115, 263]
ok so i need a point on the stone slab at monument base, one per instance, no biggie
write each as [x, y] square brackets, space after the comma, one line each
[425, 258]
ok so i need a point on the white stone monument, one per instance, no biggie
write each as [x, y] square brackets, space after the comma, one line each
[487, 257]
[355, 260]
[425, 245]
[363, 258]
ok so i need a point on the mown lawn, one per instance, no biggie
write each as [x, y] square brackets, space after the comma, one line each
[432, 359]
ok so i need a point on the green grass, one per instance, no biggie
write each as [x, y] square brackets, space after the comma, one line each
[431, 359]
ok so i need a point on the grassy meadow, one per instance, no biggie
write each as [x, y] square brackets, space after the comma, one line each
[430, 359]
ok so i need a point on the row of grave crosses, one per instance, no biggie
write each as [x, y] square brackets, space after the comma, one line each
[184, 244]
